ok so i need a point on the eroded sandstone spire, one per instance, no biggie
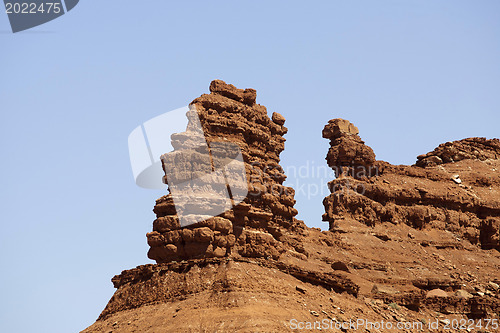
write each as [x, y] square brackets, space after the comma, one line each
[256, 227]
[348, 154]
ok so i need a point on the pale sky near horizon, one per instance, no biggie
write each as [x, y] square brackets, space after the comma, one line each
[410, 74]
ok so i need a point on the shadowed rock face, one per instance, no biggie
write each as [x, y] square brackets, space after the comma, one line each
[454, 188]
[256, 227]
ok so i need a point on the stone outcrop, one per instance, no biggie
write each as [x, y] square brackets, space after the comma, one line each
[460, 196]
[472, 148]
[231, 123]
[171, 282]
[348, 154]
[406, 244]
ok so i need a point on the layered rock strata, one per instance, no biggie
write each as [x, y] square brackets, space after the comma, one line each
[258, 218]
[397, 250]
[472, 148]
[454, 188]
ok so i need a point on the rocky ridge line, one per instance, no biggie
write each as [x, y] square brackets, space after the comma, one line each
[457, 196]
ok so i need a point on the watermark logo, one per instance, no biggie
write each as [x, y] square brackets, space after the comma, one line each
[26, 14]
[204, 179]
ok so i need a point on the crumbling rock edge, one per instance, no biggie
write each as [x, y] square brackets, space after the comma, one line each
[134, 278]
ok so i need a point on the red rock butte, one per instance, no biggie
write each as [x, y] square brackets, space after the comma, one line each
[417, 245]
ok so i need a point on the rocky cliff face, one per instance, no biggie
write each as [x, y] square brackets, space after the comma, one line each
[453, 188]
[260, 225]
[414, 245]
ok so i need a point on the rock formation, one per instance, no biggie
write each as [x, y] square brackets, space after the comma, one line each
[472, 148]
[348, 154]
[256, 227]
[453, 188]
[411, 245]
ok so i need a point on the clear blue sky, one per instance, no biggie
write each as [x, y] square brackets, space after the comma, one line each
[410, 74]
